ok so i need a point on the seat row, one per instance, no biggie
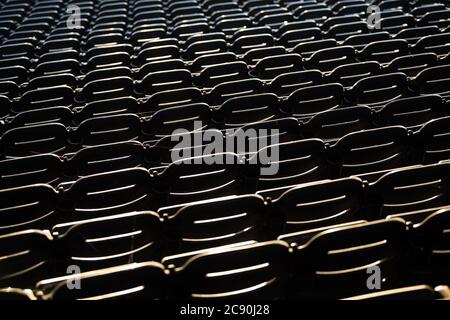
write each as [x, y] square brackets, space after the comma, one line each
[266, 64]
[316, 266]
[303, 94]
[164, 55]
[269, 213]
[402, 111]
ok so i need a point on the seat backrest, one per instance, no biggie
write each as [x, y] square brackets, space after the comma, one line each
[26, 256]
[337, 260]
[253, 271]
[216, 222]
[135, 280]
[317, 203]
[111, 241]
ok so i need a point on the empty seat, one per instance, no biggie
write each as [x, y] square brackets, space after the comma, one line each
[111, 241]
[270, 67]
[290, 163]
[433, 80]
[286, 83]
[328, 59]
[145, 280]
[104, 158]
[259, 271]
[45, 168]
[318, 204]
[411, 65]
[107, 194]
[384, 51]
[371, 150]
[308, 101]
[334, 259]
[36, 139]
[236, 112]
[216, 222]
[431, 140]
[412, 112]
[349, 74]
[410, 189]
[333, 124]
[29, 207]
[26, 257]
[376, 91]
[220, 73]
[189, 179]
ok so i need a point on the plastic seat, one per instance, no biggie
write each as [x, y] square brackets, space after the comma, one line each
[28, 255]
[306, 49]
[17, 74]
[109, 193]
[36, 139]
[45, 168]
[411, 65]
[217, 222]
[291, 38]
[164, 122]
[431, 140]
[111, 241]
[157, 53]
[342, 31]
[246, 281]
[107, 60]
[145, 280]
[245, 43]
[183, 181]
[410, 189]
[55, 80]
[376, 91]
[431, 238]
[333, 124]
[349, 74]
[102, 89]
[105, 158]
[308, 101]
[286, 83]
[201, 48]
[109, 129]
[319, 204]
[328, 59]
[361, 40]
[220, 73]
[45, 97]
[412, 35]
[253, 56]
[29, 207]
[238, 111]
[290, 163]
[412, 112]
[384, 51]
[107, 73]
[165, 80]
[270, 67]
[396, 24]
[437, 43]
[440, 18]
[371, 150]
[338, 259]
[62, 115]
[433, 80]
[205, 61]
[105, 107]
